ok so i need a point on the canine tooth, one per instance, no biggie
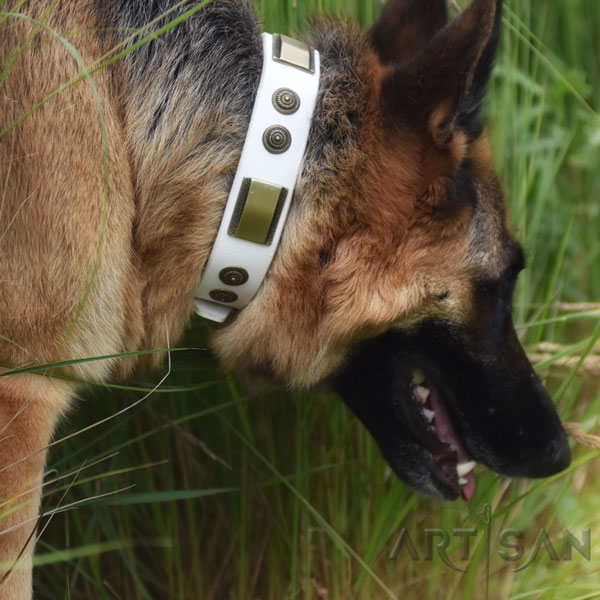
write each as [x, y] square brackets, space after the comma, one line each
[428, 414]
[422, 393]
[464, 468]
[462, 481]
[418, 376]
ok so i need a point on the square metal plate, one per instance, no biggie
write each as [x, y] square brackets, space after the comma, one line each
[257, 211]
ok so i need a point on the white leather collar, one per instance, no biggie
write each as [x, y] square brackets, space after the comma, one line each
[264, 183]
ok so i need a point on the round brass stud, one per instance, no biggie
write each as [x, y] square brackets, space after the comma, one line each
[286, 101]
[233, 276]
[277, 139]
[223, 296]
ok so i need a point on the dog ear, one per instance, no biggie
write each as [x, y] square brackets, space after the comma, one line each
[405, 26]
[446, 82]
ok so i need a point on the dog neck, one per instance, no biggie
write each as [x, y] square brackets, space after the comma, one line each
[186, 100]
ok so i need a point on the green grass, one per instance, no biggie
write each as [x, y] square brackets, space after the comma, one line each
[286, 495]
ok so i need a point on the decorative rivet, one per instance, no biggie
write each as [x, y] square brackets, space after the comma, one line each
[286, 101]
[233, 276]
[277, 139]
[223, 296]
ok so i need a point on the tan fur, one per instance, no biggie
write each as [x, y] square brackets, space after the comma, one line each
[29, 408]
[54, 173]
[75, 292]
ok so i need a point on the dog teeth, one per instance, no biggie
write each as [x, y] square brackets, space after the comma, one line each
[418, 376]
[462, 481]
[428, 414]
[422, 393]
[463, 468]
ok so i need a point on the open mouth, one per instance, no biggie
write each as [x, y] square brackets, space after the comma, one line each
[434, 410]
[433, 427]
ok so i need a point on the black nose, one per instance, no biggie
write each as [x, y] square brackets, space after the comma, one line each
[555, 457]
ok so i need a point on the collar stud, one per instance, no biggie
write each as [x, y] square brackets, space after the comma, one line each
[233, 276]
[286, 101]
[277, 139]
[223, 296]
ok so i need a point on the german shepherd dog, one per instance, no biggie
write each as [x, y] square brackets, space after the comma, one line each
[394, 277]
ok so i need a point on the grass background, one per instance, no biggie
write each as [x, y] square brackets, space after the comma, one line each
[203, 492]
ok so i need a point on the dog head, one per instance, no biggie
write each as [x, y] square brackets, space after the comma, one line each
[395, 275]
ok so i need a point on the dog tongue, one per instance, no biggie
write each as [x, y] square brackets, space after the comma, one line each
[446, 432]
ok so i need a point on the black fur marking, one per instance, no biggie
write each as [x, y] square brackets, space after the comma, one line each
[335, 139]
[209, 64]
[462, 189]
[494, 297]
[405, 27]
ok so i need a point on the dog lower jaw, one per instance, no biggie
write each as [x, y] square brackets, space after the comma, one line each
[427, 479]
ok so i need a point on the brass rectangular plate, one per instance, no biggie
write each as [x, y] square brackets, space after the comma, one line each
[257, 211]
[292, 52]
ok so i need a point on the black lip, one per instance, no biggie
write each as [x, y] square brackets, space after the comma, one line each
[498, 407]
